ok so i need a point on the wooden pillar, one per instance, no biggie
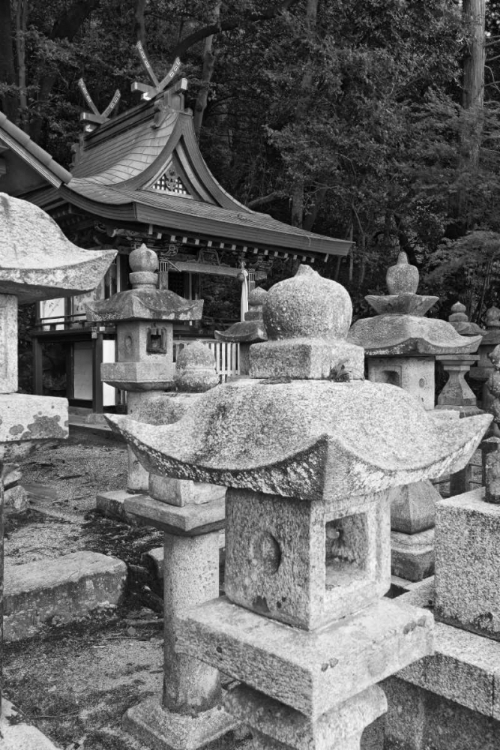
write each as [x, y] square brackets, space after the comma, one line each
[97, 399]
[37, 366]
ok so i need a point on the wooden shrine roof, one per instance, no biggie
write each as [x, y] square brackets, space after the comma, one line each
[120, 173]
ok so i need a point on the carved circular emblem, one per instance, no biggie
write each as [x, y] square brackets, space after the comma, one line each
[265, 552]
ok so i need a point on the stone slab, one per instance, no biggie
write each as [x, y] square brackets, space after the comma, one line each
[160, 729]
[59, 591]
[307, 358]
[311, 671]
[467, 563]
[26, 417]
[182, 492]
[139, 376]
[189, 519]
[112, 505]
[412, 555]
[465, 669]
[418, 719]
[15, 734]
[285, 725]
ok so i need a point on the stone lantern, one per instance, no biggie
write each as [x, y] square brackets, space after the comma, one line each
[144, 318]
[37, 262]
[481, 372]
[401, 346]
[249, 331]
[309, 451]
[456, 394]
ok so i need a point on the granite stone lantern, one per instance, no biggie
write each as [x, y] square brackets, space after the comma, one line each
[249, 331]
[456, 394]
[37, 262]
[144, 318]
[309, 451]
[401, 346]
[491, 338]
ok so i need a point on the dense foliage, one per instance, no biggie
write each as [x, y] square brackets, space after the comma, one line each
[343, 116]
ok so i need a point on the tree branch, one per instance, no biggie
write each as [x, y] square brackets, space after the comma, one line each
[229, 24]
[71, 21]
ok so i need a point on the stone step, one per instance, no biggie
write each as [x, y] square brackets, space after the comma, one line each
[59, 591]
[16, 734]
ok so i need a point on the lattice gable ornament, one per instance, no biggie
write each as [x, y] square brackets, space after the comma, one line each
[170, 182]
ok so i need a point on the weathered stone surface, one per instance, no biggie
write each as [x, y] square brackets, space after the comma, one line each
[16, 734]
[8, 343]
[246, 331]
[191, 577]
[421, 720]
[48, 265]
[133, 341]
[112, 505]
[139, 376]
[144, 304]
[307, 358]
[401, 304]
[465, 668]
[456, 391]
[16, 499]
[24, 417]
[11, 475]
[461, 323]
[413, 374]
[306, 439]
[165, 730]
[412, 555]
[190, 520]
[183, 492]
[413, 507]
[389, 335]
[467, 561]
[491, 469]
[402, 278]
[311, 671]
[335, 729]
[298, 564]
[307, 305]
[195, 369]
[59, 591]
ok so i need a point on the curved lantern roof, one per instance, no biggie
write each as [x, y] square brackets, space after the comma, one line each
[305, 439]
[37, 262]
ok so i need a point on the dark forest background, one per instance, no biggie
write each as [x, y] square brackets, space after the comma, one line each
[371, 120]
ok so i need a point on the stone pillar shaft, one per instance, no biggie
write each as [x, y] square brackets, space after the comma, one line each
[191, 577]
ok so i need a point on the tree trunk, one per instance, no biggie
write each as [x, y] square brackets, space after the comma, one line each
[473, 87]
[21, 24]
[206, 75]
[140, 25]
[9, 101]
[298, 195]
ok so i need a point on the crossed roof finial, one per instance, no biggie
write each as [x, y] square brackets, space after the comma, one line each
[149, 92]
[95, 117]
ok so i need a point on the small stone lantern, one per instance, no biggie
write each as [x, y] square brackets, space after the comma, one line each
[309, 451]
[456, 394]
[144, 318]
[250, 331]
[401, 346]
